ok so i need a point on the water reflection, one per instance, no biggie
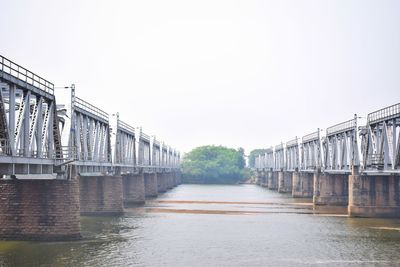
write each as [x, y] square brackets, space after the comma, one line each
[199, 225]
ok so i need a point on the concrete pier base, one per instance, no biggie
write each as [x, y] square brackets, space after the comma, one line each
[133, 188]
[264, 179]
[285, 182]
[175, 179]
[161, 182]
[331, 189]
[302, 184]
[374, 196]
[101, 195]
[170, 180]
[273, 180]
[39, 210]
[150, 185]
[258, 178]
[178, 178]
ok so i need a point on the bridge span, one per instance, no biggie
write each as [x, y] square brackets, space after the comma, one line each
[348, 165]
[61, 156]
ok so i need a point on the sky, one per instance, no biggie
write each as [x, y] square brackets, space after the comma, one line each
[248, 74]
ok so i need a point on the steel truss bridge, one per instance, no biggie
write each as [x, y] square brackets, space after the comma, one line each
[373, 148]
[55, 134]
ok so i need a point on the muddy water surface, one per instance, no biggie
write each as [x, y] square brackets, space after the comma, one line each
[214, 225]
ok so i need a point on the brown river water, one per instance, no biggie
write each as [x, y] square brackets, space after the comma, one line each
[220, 225]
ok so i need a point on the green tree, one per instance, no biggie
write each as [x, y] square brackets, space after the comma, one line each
[214, 164]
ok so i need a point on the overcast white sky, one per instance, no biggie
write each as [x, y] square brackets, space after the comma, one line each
[236, 73]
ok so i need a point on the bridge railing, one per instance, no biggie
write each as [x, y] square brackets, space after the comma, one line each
[384, 114]
[341, 127]
[145, 137]
[15, 70]
[82, 104]
[5, 149]
[126, 127]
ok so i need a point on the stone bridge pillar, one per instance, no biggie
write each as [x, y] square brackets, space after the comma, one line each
[302, 184]
[161, 182]
[134, 188]
[273, 180]
[151, 184]
[264, 178]
[285, 182]
[101, 195]
[178, 177]
[376, 195]
[257, 176]
[331, 189]
[33, 209]
[170, 180]
[260, 180]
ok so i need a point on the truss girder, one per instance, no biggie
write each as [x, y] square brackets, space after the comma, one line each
[156, 155]
[170, 157]
[143, 151]
[85, 133]
[269, 159]
[32, 125]
[380, 140]
[164, 156]
[123, 142]
[259, 161]
[279, 159]
[311, 151]
[340, 147]
[90, 138]
[125, 149]
[24, 118]
[292, 155]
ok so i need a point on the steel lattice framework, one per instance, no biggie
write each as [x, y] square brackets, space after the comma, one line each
[311, 152]
[123, 144]
[292, 155]
[279, 159]
[258, 162]
[28, 125]
[340, 147]
[262, 161]
[340, 151]
[38, 136]
[164, 155]
[380, 140]
[86, 134]
[155, 152]
[269, 159]
[144, 156]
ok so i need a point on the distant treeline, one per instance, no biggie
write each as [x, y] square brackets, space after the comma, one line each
[214, 165]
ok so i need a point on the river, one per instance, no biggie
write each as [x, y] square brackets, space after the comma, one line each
[219, 225]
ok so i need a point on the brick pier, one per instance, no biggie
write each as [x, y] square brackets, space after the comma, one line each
[45, 210]
[101, 195]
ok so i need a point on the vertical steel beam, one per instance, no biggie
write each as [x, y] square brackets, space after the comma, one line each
[26, 124]
[11, 118]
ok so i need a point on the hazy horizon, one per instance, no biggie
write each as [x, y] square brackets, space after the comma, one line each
[246, 74]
